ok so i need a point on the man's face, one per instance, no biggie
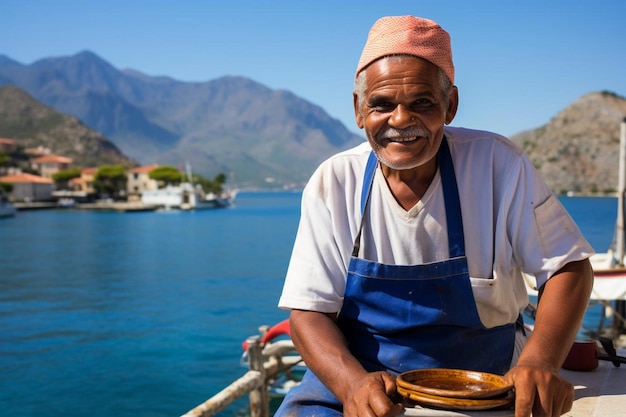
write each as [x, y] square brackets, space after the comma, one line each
[403, 111]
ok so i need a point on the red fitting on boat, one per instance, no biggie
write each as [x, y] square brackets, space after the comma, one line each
[279, 329]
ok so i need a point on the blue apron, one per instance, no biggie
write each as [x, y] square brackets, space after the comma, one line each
[402, 317]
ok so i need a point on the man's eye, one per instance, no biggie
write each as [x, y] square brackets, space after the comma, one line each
[381, 106]
[423, 103]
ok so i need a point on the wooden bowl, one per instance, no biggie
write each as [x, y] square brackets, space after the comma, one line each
[448, 403]
[454, 383]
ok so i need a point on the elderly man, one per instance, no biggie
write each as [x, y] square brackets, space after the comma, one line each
[410, 248]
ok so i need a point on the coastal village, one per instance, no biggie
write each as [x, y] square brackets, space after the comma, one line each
[35, 180]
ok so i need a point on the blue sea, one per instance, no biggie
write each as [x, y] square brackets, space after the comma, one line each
[143, 314]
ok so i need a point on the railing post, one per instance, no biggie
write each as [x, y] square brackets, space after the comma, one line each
[259, 397]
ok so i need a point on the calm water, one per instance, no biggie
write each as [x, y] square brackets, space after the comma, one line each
[143, 314]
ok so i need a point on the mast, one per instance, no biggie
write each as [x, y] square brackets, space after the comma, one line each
[621, 189]
[188, 172]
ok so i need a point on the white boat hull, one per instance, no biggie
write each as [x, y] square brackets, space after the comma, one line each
[184, 197]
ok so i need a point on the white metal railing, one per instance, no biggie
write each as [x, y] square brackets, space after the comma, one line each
[264, 365]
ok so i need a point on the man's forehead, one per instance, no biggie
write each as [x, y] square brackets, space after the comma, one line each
[401, 70]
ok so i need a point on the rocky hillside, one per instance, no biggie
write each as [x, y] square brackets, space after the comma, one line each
[33, 124]
[233, 125]
[577, 151]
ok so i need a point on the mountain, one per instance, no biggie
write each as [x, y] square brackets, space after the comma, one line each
[33, 124]
[577, 150]
[232, 124]
[271, 138]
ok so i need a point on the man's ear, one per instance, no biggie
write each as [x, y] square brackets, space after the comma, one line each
[358, 116]
[453, 104]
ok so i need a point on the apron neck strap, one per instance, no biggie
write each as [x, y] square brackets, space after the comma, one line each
[456, 240]
[368, 180]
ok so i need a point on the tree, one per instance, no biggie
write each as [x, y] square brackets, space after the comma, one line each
[110, 180]
[211, 186]
[166, 174]
[218, 182]
[5, 187]
[63, 177]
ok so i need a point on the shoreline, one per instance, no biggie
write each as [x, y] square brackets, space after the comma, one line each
[120, 206]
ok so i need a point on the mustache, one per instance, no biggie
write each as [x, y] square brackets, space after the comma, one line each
[391, 132]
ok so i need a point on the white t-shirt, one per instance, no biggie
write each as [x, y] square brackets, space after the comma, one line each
[512, 223]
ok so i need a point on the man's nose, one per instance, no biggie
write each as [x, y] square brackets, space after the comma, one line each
[401, 117]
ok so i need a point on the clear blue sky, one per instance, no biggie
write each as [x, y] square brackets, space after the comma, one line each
[518, 63]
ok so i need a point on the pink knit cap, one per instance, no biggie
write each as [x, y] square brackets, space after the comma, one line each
[408, 35]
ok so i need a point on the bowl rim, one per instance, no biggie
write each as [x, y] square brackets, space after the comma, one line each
[497, 385]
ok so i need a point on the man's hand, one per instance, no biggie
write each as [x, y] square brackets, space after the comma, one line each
[562, 303]
[540, 392]
[373, 395]
[325, 351]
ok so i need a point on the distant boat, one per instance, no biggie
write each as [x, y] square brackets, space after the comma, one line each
[186, 196]
[66, 203]
[6, 208]
[225, 199]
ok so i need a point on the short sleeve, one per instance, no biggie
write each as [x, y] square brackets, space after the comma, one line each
[559, 237]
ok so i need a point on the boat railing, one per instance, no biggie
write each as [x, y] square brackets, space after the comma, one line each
[265, 364]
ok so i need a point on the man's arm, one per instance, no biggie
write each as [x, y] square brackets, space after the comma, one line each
[562, 304]
[325, 352]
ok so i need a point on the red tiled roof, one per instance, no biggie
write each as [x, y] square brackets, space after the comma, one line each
[52, 158]
[89, 171]
[144, 169]
[7, 141]
[25, 178]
